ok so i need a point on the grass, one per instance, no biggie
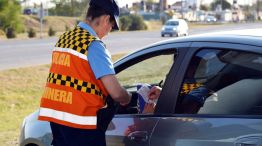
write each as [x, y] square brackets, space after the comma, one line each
[153, 25]
[151, 71]
[58, 23]
[20, 92]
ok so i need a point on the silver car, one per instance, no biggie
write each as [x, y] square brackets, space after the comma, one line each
[229, 66]
[210, 19]
[175, 27]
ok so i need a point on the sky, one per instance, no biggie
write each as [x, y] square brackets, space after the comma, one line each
[122, 3]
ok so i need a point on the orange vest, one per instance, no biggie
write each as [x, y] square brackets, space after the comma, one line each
[72, 94]
[187, 87]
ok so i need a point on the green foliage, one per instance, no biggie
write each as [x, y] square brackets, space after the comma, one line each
[51, 31]
[225, 4]
[137, 23]
[132, 22]
[125, 22]
[31, 33]
[3, 3]
[68, 7]
[10, 20]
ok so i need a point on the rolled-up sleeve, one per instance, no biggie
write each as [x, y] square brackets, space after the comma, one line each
[100, 60]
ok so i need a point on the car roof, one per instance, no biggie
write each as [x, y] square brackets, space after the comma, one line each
[247, 36]
[210, 16]
[175, 19]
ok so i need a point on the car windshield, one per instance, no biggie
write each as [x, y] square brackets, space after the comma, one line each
[172, 23]
[211, 17]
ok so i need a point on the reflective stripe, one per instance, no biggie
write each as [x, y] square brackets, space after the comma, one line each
[70, 51]
[81, 120]
[187, 87]
[79, 85]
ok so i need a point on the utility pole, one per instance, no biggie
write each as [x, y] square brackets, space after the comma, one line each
[41, 15]
[182, 14]
[161, 6]
[221, 3]
[257, 9]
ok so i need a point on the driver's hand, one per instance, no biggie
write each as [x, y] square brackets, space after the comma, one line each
[149, 108]
[154, 93]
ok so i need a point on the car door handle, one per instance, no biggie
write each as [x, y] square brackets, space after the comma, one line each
[138, 136]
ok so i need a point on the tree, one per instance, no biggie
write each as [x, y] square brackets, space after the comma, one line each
[204, 7]
[125, 22]
[224, 3]
[68, 7]
[137, 23]
[3, 3]
[132, 22]
[10, 20]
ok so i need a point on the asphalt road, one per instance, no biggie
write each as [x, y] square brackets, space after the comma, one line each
[20, 53]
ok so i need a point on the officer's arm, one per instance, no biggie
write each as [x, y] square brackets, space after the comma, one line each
[115, 90]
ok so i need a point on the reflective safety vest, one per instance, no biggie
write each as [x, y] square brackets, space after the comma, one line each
[187, 87]
[72, 94]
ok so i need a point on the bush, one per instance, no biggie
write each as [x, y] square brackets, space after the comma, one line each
[132, 22]
[137, 23]
[10, 18]
[31, 33]
[125, 22]
[10, 32]
[51, 31]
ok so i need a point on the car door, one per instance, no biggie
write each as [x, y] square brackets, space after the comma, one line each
[151, 66]
[229, 112]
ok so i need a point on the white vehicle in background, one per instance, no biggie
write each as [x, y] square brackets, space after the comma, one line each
[175, 27]
[210, 18]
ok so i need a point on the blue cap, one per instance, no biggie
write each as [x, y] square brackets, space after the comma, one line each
[109, 6]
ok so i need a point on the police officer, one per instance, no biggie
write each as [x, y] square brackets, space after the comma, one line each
[81, 77]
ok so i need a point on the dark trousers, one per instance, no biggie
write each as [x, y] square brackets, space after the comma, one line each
[68, 136]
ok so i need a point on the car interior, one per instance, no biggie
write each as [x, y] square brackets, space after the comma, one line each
[235, 84]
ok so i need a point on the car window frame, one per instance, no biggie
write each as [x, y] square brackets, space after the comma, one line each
[198, 46]
[141, 55]
[147, 53]
[167, 100]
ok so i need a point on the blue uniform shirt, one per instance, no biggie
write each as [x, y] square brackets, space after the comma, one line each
[98, 56]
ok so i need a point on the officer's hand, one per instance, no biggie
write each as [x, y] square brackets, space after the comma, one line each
[127, 101]
[154, 93]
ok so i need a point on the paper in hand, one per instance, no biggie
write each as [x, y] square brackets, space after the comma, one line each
[143, 92]
[143, 98]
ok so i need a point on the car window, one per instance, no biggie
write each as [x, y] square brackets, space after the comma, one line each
[221, 81]
[172, 23]
[150, 71]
